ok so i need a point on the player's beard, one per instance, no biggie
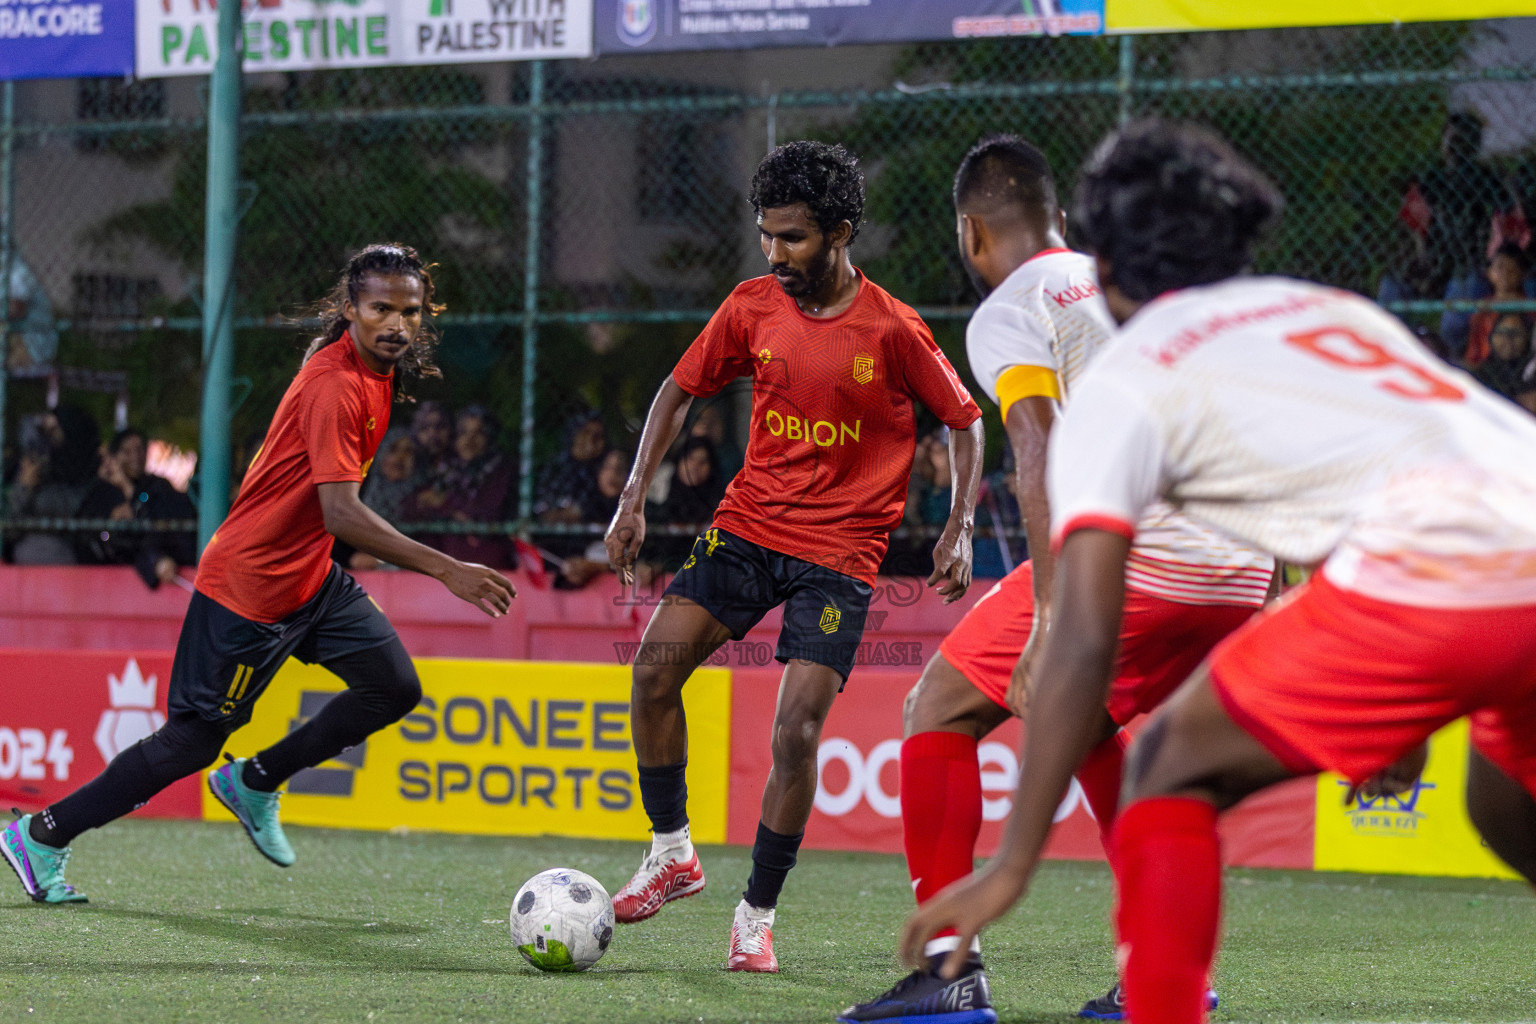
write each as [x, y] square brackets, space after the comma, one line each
[813, 279]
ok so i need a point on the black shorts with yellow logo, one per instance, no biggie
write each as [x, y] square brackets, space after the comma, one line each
[739, 582]
[224, 661]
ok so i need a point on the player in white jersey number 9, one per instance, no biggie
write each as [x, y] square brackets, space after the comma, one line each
[1308, 423]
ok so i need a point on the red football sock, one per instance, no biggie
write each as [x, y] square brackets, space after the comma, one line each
[1099, 775]
[940, 809]
[1170, 907]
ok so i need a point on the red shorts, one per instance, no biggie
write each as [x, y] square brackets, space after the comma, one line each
[1161, 642]
[1333, 680]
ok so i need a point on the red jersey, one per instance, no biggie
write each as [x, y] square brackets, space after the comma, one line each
[272, 552]
[833, 430]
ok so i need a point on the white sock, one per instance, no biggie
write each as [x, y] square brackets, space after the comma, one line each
[756, 913]
[947, 944]
[676, 845]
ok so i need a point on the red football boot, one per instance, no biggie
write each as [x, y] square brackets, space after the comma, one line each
[752, 941]
[660, 880]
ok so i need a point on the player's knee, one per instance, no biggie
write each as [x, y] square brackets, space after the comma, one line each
[796, 735]
[911, 713]
[404, 693]
[652, 683]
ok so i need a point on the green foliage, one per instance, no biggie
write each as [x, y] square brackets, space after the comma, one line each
[1342, 153]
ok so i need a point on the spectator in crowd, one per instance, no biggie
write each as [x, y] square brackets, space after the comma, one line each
[997, 507]
[567, 486]
[61, 451]
[697, 485]
[125, 490]
[579, 570]
[1509, 367]
[938, 481]
[1506, 274]
[473, 489]
[1448, 212]
[392, 479]
[391, 483]
[711, 425]
[34, 338]
[432, 434]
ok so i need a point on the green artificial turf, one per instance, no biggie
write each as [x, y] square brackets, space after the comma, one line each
[187, 922]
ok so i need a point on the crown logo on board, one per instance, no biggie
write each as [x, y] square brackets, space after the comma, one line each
[132, 690]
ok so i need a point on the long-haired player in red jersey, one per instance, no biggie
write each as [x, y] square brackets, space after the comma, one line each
[267, 589]
[836, 364]
[1311, 424]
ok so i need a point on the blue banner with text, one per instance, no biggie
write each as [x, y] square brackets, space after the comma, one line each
[638, 26]
[65, 38]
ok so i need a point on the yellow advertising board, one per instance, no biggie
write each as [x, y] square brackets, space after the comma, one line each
[1186, 15]
[496, 748]
[1423, 832]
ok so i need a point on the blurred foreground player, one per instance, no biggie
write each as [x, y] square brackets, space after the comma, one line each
[836, 364]
[1041, 323]
[1309, 423]
[267, 589]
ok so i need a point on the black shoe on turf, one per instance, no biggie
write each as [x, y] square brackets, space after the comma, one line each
[923, 997]
[1111, 1005]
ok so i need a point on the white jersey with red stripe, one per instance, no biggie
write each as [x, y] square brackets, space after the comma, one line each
[1036, 334]
[1311, 424]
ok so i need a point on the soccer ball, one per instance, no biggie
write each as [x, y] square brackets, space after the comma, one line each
[562, 920]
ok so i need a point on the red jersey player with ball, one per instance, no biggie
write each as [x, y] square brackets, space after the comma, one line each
[836, 363]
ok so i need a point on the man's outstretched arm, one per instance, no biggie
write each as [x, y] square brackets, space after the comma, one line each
[351, 522]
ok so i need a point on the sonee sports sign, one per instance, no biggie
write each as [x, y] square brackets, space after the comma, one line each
[497, 747]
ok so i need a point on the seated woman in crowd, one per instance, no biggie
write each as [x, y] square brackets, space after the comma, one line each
[567, 486]
[580, 569]
[391, 483]
[474, 488]
[1506, 272]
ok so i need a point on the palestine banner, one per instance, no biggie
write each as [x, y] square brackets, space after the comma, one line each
[180, 37]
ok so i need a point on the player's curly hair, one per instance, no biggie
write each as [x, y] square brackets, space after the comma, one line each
[824, 177]
[388, 258]
[1170, 205]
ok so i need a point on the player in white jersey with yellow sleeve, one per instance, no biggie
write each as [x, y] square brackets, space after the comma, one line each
[1041, 323]
[1309, 423]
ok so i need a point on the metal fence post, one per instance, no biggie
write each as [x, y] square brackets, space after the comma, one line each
[1126, 80]
[7, 231]
[531, 285]
[219, 276]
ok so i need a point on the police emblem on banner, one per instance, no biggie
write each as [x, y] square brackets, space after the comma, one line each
[637, 21]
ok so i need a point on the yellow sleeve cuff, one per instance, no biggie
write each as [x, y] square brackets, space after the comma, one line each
[1018, 382]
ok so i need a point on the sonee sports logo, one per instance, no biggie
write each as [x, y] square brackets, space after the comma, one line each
[831, 618]
[863, 369]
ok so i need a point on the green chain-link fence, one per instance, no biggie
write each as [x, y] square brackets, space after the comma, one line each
[633, 207]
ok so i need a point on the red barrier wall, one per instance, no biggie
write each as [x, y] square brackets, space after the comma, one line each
[857, 806]
[63, 717]
[109, 608]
